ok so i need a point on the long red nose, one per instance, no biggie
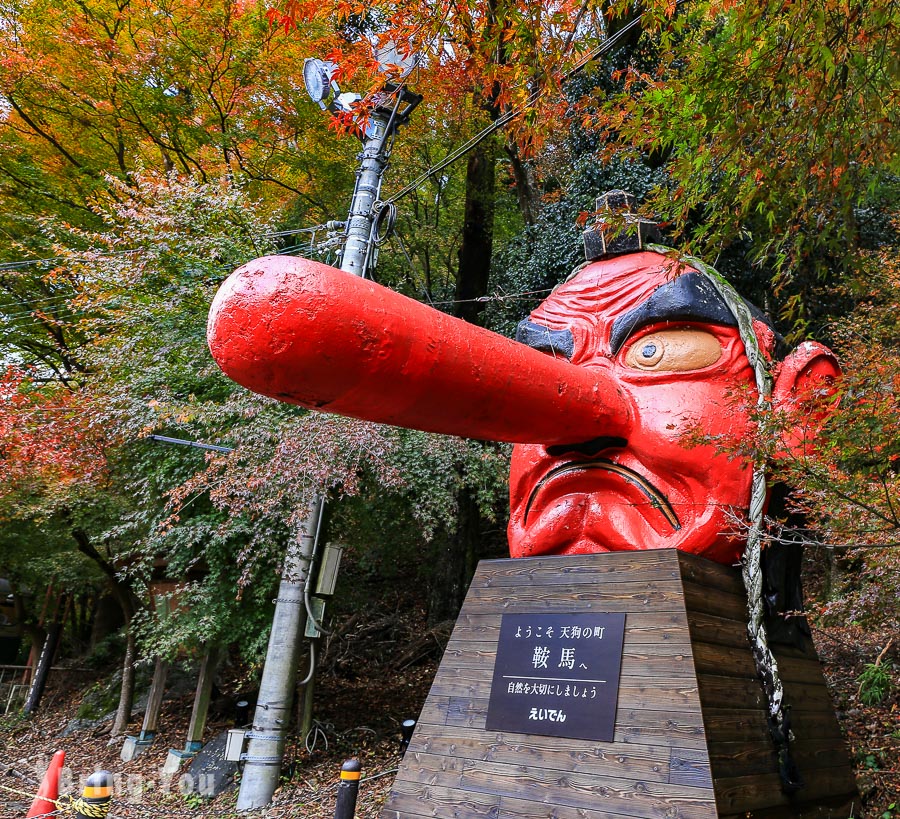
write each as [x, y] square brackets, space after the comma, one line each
[309, 334]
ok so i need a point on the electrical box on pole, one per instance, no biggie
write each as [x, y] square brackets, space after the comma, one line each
[326, 578]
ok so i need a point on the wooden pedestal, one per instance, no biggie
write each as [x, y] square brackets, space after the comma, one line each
[690, 734]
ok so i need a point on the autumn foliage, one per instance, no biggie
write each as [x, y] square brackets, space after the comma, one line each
[47, 438]
[147, 149]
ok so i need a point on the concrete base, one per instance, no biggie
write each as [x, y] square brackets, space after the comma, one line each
[175, 759]
[135, 746]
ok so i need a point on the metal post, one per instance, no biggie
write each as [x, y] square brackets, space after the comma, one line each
[273, 707]
[266, 740]
[373, 161]
[406, 732]
[348, 790]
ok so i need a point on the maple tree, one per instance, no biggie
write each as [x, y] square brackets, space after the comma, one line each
[775, 122]
[97, 88]
[58, 488]
[847, 486]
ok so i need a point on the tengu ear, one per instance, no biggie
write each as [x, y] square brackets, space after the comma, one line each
[804, 389]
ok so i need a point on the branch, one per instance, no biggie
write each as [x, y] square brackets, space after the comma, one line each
[123, 594]
[40, 132]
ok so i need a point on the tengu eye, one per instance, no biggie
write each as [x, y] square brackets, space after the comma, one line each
[677, 350]
[648, 353]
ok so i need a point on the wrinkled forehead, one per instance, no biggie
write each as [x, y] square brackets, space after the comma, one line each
[607, 301]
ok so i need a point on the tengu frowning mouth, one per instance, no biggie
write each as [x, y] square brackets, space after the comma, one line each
[656, 498]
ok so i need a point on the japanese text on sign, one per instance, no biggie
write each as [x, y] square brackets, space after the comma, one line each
[557, 675]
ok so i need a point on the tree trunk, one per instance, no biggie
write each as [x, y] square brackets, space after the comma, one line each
[128, 603]
[478, 232]
[108, 619]
[126, 695]
[455, 556]
[527, 192]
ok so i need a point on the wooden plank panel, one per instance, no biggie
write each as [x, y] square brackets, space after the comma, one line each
[722, 692]
[618, 796]
[658, 763]
[414, 799]
[523, 784]
[621, 806]
[638, 762]
[625, 596]
[690, 767]
[746, 758]
[715, 602]
[738, 661]
[637, 660]
[554, 570]
[752, 793]
[745, 725]
[642, 727]
[723, 631]
[711, 575]
[678, 694]
[840, 807]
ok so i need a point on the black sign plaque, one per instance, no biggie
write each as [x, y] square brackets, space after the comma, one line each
[557, 675]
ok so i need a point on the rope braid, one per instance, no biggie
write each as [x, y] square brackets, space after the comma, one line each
[751, 561]
[68, 804]
[91, 810]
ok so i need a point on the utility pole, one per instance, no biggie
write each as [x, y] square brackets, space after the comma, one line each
[265, 749]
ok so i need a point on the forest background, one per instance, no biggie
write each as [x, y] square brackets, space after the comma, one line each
[148, 148]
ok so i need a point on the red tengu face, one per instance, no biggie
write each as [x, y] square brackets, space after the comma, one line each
[667, 340]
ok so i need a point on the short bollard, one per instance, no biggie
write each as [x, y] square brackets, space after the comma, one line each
[348, 790]
[406, 732]
[94, 802]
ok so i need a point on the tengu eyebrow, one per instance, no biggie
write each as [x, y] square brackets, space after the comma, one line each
[690, 297]
[542, 338]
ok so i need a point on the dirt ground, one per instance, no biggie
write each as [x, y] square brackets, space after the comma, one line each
[359, 715]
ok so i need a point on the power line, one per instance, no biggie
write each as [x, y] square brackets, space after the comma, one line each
[463, 149]
[24, 263]
[459, 152]
[166, 440]
[23, 318]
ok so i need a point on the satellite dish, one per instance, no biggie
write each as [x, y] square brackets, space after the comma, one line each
[391, 61]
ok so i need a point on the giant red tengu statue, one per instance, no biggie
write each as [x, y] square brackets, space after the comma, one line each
[612, 381]
[618, 393]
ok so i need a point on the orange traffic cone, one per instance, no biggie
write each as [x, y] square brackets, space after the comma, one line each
[48, 793]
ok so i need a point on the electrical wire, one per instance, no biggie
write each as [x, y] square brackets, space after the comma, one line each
[23, 318]
[463, 149]
[24, 263]
[456, 154]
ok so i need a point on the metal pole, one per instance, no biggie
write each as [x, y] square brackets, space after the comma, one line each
[373, 162]
[265, 749]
